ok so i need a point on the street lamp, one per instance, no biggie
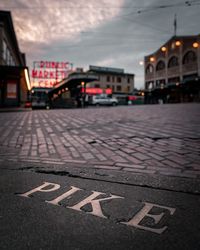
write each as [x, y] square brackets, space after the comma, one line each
[163, 49]
[83, 85]
[178, 43]
[195, 45]
[152, 59]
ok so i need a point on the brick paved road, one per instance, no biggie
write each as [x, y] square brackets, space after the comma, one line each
[154, 139]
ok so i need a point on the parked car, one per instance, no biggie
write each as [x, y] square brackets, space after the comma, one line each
[103, 99]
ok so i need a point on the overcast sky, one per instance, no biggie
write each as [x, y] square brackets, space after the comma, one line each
[112, 33]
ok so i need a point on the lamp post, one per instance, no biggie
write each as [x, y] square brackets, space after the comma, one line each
[83, 85]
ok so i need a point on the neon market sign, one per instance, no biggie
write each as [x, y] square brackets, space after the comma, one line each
[49, 73]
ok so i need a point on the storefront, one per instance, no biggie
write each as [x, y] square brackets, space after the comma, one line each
[14, 76]
[14, 86]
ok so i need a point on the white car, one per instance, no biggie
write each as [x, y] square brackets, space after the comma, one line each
[103, 100]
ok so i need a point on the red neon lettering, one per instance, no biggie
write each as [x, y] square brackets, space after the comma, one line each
[42, 64]
[53, 64]
[46, 74]
[57, 74]
[51, 74]
[62, 72]
[40, 74]
[34, 73]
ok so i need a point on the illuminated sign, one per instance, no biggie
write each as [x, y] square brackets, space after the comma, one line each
[96, 91]
[49, 73]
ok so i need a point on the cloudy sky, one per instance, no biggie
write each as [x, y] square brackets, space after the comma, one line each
[112, 33]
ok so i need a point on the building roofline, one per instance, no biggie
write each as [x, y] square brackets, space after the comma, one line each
[172, 38]
[6, 16]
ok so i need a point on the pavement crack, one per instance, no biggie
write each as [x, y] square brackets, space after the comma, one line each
[60, 173]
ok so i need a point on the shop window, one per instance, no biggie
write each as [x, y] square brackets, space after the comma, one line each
[97, 86]
[173, 62]
[189, 57]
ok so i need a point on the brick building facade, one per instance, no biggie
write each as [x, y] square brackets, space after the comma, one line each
[112, 78]
[172, 73]
[14, 77]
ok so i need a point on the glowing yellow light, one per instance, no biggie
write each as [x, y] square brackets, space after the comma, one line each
[27, 79]
[141, 63]
[195, 45]
[163, 49]
[177, 83]
[82, 83]
[178, 43]
[152, 59]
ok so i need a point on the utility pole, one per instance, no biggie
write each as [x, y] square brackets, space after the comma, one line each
[175, 25]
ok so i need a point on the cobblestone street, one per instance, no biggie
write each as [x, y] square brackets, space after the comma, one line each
[154, 139]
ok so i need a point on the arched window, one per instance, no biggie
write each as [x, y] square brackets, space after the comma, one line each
[189, 57]
[160, 66]
[173, 62]
[149, 69]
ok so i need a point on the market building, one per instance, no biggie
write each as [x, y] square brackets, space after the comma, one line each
[172, 73]
[14, 75]
[112, 78]
[97, 80]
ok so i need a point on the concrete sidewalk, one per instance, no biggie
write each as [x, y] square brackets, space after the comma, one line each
[47, 211]
[117, 178]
